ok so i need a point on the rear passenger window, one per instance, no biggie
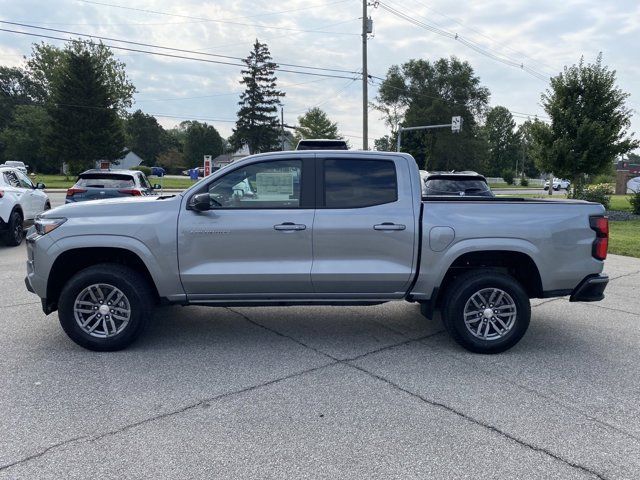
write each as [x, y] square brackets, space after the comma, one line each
[359, 183]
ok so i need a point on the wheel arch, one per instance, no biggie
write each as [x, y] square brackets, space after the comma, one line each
[73, 260]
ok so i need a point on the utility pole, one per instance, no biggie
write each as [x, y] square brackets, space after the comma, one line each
[365, 77]
[282, 125]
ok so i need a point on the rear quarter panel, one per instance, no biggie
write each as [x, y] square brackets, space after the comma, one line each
[555, 235]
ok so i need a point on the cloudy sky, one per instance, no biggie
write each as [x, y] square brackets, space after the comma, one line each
[543, 35]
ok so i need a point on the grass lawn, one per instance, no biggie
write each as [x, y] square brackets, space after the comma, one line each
[624, 238]
[60, 181]
[620, 202]
[510, 187]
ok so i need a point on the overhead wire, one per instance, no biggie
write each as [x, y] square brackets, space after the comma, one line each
[230, 22]
[203, 20]
[454, 36]
[162, 47]
[205, 60]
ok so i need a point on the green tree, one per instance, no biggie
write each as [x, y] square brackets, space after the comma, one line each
[258, 125]
[527, 162]
[589, 122]
[200, 139]
[85, 126]
[25, 138]
[145, 136]
[503, 141]
[46, 64]
[421, 92]
[16, 88]
[316, 124]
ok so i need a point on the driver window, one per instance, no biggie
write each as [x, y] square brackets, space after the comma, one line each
[24, 180]
[273, 184]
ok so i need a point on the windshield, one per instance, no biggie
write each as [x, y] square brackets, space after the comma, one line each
[448, 186]
[97, 180]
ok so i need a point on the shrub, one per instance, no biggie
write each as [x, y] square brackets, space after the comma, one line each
[634, 200]
[600, 193]
[144, 169]
[507, 176]
[524, 182]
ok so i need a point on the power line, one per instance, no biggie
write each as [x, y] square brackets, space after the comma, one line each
[468, 43]
[280, 85]
[482, 34]
[205, 60]
[157, 12]
[265, 14]
[161, 47]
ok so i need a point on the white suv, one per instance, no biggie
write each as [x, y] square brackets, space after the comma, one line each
[20, 202]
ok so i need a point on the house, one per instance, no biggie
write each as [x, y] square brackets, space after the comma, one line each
[227, 158]
[129, 161]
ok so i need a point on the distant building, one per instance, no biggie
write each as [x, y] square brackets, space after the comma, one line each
[127, 162]
[227, 158]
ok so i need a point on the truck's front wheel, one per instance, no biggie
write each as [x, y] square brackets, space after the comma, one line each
[105, 307]
[486, 312]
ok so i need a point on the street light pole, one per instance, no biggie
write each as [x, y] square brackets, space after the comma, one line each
[365, 94]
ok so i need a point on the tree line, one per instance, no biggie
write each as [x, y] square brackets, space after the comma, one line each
[73, 105]
[585, 130]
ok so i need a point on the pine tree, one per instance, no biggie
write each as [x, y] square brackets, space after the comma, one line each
[258, 126]
[85, 126]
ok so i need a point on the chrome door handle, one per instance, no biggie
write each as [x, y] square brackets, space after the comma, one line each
[289, 226]
[389, 226]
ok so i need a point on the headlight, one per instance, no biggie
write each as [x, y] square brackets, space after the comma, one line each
[47, 225]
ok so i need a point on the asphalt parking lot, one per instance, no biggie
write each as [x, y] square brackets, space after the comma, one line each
[322, 392]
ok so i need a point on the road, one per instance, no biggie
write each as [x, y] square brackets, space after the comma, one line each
[322, 392]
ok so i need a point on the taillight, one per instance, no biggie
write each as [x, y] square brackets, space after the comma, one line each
[601, 243]
[1, 193]
[72, 191]
[132, 191]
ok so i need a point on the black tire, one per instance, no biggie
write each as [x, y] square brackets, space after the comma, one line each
[131, 283]
[15, 231]
[459, 294]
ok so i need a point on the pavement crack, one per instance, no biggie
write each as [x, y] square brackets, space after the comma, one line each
[545, 396]
[481, 423]
[191, 406]
[611, 279]
[55, 446]
[344, 360]
[280, 334]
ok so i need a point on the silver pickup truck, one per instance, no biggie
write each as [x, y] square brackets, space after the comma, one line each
[315, 228]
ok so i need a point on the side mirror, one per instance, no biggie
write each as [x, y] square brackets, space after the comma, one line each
[200, 202]
[157, 186]
[40, 186]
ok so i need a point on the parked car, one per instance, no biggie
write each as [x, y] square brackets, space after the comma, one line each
[17, 165]
[558, 183]
[99, 184]
[322, 144]
[355, 231]
[199, 169]
[633, 185]
[20, 202]
[158, 171]
[456, 183]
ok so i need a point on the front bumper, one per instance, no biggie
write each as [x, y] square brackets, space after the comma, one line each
[591, 289]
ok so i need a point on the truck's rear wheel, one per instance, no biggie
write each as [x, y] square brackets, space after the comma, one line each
[105, 307]
[486, 312]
